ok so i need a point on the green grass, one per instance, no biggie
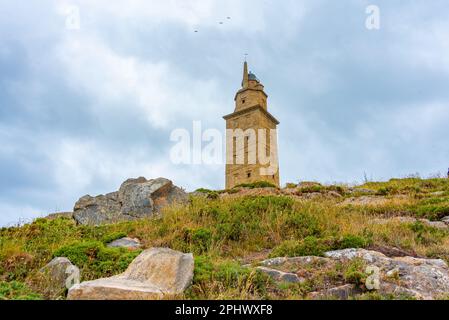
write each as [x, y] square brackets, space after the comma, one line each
[257, 184]
[16, 290]
[95, 260]
[222, 231]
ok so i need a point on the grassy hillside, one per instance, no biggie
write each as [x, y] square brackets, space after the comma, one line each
[226, 232]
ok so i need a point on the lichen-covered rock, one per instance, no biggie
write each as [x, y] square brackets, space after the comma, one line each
[425, 278]
[98, 210]
[126, 242]
[280, 276]
[136, 198]
[60, 273]
[137, 195]
[57, 215]
[445, 220]
[154, 274]
[399, 275]
[341, 292]
[297, 261]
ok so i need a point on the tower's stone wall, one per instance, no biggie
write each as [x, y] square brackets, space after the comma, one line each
[250, 113]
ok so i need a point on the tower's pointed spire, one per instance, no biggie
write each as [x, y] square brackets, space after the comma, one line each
[245, 75]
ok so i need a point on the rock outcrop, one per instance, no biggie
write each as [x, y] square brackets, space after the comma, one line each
[343, 292]
[154, 274]
[418, 278]
[57, 215]
[280, 276]
[136, 198]
[126, 242]
[433, 224]
[60, 273]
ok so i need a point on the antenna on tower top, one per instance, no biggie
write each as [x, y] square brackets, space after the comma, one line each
[246, 55]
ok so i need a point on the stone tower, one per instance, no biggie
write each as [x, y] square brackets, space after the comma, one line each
[251, 136]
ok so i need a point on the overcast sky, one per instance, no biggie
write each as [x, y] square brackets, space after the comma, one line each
[83, 109]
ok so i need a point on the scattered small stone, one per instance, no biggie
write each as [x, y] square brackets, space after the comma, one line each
[126, 242]
[393, 273]
[298, 261]
[334, 194]
[308, 184]
[445, 220]
[280, 276]
[433, 224]
[363, 190]
[341, 292]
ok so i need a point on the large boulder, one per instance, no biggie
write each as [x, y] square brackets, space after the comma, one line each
[154, 274]
[136, 198]
[140, 197]
[98, 210]
[59, 274]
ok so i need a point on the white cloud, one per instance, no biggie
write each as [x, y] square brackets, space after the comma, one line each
[157, 90]
[14, 214]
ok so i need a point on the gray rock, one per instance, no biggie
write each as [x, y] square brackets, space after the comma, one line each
[61, 273]
[334, 194]
[445, 220]
[399, 291]
[298, 261]
[433, 224]
[136, 195]
[136, 198]
[426, 278]
[126, 242]
[363, 190]
[280, 276]
[98, 210]
[154, 274]
[56, 215]
[341, 292]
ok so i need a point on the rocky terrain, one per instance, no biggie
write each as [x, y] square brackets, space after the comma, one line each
[135, 199]
[152, 240]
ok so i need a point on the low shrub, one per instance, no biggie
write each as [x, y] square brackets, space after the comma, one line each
[211, 277]
[199, 239]
[16, 290]
[258, 184]
[354, 272]
[353, 241]
[95, 259]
